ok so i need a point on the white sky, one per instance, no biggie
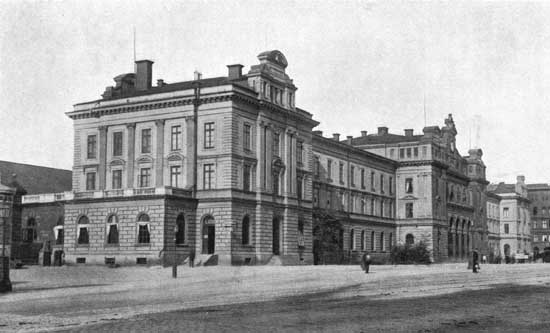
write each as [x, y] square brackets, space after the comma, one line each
[357, 64]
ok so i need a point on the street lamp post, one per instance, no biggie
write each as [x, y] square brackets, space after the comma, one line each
[6, 201]
[175, 262]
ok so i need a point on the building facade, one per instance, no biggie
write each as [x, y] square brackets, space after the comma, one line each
[230, 169]
[493, 226]
[515, 220]
[539, 195]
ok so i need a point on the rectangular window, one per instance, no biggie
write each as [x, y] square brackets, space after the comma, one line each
[146, 140]
[352, 175]
[341, 173]
[363, 178]
[246, 137]
[409, 210]
[371, 206]
[382, 183]
[92, 146]
[390, 185]
[117, 179]
[299, 152]
[175, 172]
[329, 169]
[362, 205]
[117, 144]
[545, 224]
[415, 151]
[392, 152]
[402, 153]
[506, 228]
[83, 237]
[208, 176]
[299, 181]
[143, 234]
[90, 181]
[276, 144]
[424, 151]
[408, 152]
[317, 168]
[112, 236]
[408, 185]
[144, 177]
[175, 138]
[505, 212]
[209, 135]
[246, 177]
[372, 187]
[316, 193]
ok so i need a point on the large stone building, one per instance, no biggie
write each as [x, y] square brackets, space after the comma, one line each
[230, 168]
[539, 195]
[515, 220]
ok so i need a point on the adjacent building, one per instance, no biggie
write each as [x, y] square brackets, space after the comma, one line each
[539, 195]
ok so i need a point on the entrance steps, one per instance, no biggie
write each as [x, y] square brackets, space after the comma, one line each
[206, 260]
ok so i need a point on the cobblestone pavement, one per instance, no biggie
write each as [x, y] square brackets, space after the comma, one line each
[312, 298]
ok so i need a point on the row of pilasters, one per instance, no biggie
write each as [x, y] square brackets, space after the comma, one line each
[460, 244]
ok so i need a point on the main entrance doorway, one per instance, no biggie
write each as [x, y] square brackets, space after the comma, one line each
[276, 236]
[208, 236]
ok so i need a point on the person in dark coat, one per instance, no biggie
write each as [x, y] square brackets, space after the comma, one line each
[366, 261]
[192, 259]
[475, 261]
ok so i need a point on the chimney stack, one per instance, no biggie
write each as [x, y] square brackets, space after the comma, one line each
[144, 74]
[363, 133]
[197, 75]
[409, 132]
[234, 72]
[160, 83]
[336, 136]
[350, 138]
[521, 179]
[382, 130]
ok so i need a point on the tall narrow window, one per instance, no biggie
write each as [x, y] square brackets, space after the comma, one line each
[276, 143]
[208, 176]
[362, 178]
[209, 135]
[363, 241]
[317, 168]
[372, 187]
[372, 242]
[506, 228]
[180, 233]
[146, 141]
[329, 169]
[415, 151]
[245, 232]
[30, 231]
[390, 185]
[175, 138]
[352, 175]
[92, 146]
[82, 231]
[382, 183]
[341, 173]
[117, 179]
[299, 186]
[352, 240]
[276, 183]
[144, 236]
[246, 177]
[408, 185]
[402, 153]
[246, 137]
[175, 173]
[505, 212]
[90, 181]
[408, 152]
[112, 225]
[144, 177]
[409, 210]
[299, 152]
[382, 243]
[117, 144]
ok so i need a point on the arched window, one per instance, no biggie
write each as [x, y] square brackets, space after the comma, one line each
[372, 241]
[30, 234]
[59, 231]
[180, 234]
[409, 239]
[352, 239]
[83, 237]
[382, 243]
[245, 237]
[112, 227]
[363, 240]
[144, 236]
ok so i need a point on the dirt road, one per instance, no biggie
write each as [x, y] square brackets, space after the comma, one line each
[330, 298]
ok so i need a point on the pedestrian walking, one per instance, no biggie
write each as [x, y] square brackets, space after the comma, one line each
[192, 259]
[366, 261]
[475, 261]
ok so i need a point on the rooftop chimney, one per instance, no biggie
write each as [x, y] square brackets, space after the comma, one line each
[363, 133]
[521, 179]
[235, 72]
[382, 130]
[409, 132]
[350, 138]
[336, 136]
[144, 74]
[160, 83]
[320, 133]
